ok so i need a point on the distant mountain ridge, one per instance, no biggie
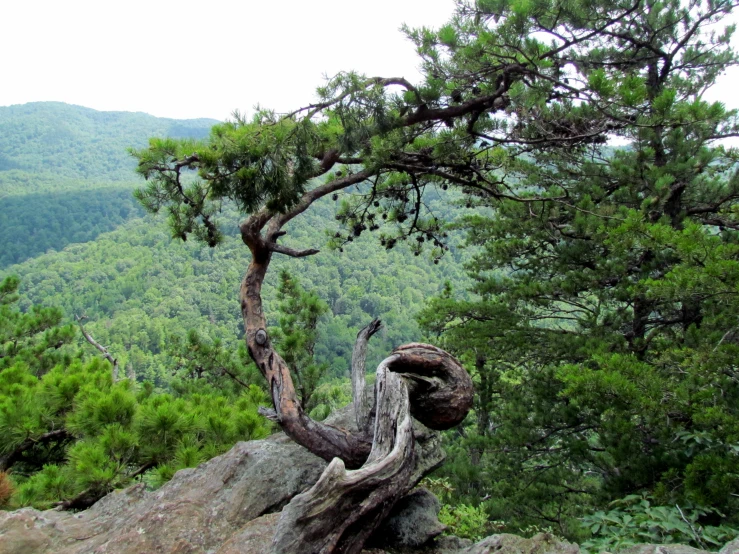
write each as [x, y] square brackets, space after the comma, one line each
[66, 175]
[74, 142]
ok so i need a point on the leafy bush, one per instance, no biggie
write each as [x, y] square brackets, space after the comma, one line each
[468, 522]
[634, 519]
[462, 520]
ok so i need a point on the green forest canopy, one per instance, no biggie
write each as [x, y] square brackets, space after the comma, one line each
[65, 175]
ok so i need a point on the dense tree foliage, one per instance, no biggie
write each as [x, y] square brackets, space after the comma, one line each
[70, 433]
[31, 224]
[138, 288]
[297, 334]
[602, 334]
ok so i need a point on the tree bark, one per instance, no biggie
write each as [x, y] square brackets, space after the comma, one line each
[440, 388]
[483, 408]
[343, 508]
[325, 441]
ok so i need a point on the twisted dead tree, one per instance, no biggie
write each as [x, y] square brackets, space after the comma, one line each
[340, 512]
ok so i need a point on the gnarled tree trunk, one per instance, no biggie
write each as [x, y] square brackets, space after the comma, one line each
[417, 380]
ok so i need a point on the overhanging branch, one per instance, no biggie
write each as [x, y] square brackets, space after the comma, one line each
[292, 252]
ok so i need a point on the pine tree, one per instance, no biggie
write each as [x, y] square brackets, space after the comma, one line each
[602, 330]
[296, 335]
[69, 434]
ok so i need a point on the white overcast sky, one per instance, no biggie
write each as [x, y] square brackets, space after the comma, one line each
[186, 59]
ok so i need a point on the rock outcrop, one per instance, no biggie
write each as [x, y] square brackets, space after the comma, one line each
[197, 511]
[412, 523]
[231, 505]
[228, 504]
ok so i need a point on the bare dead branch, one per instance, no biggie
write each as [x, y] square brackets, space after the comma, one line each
[292, 252]
[57, 435]
[104, 351]
[362, 405]
[328, 514]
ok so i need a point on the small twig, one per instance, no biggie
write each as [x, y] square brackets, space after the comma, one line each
[692, 529]
[726, 335]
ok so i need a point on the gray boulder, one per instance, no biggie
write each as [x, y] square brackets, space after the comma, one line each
[412, 523]
[218, 505]
[542, 543]
[197, 511]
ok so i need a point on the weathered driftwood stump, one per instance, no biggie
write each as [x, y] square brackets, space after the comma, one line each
[417, 380]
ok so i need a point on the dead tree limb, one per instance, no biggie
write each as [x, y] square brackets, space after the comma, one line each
[362, 404]
[440, 388]
[343, 508]
[56, 436]
[88, 497]
[104, 351]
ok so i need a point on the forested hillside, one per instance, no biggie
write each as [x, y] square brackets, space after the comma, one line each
[66, 175]
[139, 286]
[61, 141]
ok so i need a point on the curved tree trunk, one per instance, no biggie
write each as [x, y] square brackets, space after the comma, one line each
[323, 440]
[343, 509]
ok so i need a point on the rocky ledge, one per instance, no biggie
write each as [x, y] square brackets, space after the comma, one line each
[231, 504]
